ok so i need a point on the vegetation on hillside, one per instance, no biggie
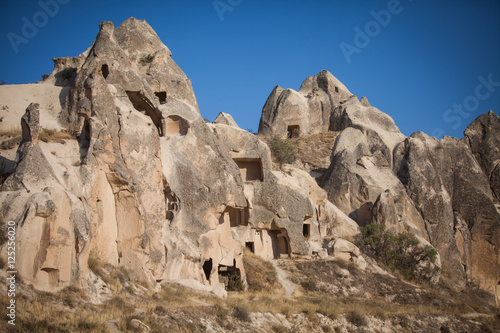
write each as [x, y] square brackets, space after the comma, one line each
[401, 252]
[283, 150]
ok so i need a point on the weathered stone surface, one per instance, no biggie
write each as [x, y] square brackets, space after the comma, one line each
[152, 186]
[276, 221]
[483, 136]
[199, 287]
[30, 123]
[454, 198]
[307, 111]
[226, 119]
[153, 181]
[149, 185]
[364, 101]
[358, 174]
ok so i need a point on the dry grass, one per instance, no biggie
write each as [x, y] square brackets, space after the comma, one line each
[48, 135]
[316, 149]
[10, 139]
[178, 309]
[261, 274]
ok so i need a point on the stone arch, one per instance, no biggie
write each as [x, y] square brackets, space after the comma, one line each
[176, 125]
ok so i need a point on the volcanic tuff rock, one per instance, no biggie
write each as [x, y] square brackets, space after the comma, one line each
[483, 136]
[443, 191]
[307, 111]
[226, 119]
[453, 196]
[146, 183]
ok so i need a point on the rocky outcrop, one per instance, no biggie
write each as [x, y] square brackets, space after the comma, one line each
[152, 181]
[453, 196]
[483, 136]
[272, 225]
[226, 119]
[147, 184]
[444, 192]
[293, 113]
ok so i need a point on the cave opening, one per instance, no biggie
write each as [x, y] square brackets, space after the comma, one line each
[230, 276]
[293, 131]
[142, 104]
[250, 168]
[175, 125]
[162, 96]
[105, 70]
[207, 268]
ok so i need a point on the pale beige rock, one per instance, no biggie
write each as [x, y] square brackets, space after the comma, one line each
[226, 119]
[14, 99]
[307, 111]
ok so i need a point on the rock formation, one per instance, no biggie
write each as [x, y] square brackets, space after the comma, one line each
[226, 119]
[293, 113]
[147, 184]
[443, 191]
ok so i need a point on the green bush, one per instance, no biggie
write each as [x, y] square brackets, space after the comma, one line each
[147, 59]
[234, 283]
[401, 252]
[283, 151]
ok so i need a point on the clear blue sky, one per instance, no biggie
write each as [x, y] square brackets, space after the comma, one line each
[416, 67]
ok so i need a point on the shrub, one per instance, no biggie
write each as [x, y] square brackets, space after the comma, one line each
[309, 285]
[234, 283]
[401, 252]
[241, 314]
[261, 274]
[147, 59]
[283, 151]
[356, 318]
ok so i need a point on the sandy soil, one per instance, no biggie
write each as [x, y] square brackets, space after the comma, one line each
[14, 99]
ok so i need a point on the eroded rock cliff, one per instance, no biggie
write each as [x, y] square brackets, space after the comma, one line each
[443, 191]
[146, 183]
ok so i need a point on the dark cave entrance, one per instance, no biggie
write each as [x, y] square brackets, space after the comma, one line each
[207, 268]
[293, 131]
